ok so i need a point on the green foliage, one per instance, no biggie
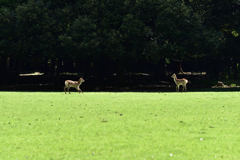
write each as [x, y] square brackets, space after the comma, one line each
[34, 27]
[221, 16]
[7, 34]
[11, 3]
[192, 125]
[120, 29]
[117, 28]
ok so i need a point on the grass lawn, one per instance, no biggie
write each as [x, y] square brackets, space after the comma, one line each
[120, 125]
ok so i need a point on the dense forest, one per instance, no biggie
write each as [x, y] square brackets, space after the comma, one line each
[110, 40]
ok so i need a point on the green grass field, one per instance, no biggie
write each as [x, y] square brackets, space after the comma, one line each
[120, 125]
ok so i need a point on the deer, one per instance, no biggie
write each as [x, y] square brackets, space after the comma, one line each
[73, 84]
[180, 82]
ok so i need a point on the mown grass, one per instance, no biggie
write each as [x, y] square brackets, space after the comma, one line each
[124, 125]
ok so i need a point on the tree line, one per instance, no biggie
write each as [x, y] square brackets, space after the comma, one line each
[102, 37]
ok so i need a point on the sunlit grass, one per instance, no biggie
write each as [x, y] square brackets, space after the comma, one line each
[127, 125]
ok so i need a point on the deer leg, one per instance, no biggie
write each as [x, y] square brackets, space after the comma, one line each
[80, 90]
[64, 89]
[68, 90]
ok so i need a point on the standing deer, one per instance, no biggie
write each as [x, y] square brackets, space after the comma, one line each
[73, 84]
[179, 82]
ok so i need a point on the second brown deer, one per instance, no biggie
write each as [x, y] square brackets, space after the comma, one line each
[180, 82]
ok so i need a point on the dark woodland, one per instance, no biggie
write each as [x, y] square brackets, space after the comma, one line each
[119, 45]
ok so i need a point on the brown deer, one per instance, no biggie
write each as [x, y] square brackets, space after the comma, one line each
[73, 84]
[180, 82]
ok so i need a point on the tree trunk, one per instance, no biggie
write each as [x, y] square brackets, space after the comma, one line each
[177, 67]
[180, 67]
[121, 71]
[160, 70]
[3, 66]
[53, 63]
[46, 68]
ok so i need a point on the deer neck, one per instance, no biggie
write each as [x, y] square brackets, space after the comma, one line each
[175, 79]
[79, 82]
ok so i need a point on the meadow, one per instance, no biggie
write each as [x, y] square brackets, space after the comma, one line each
[120, 125]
